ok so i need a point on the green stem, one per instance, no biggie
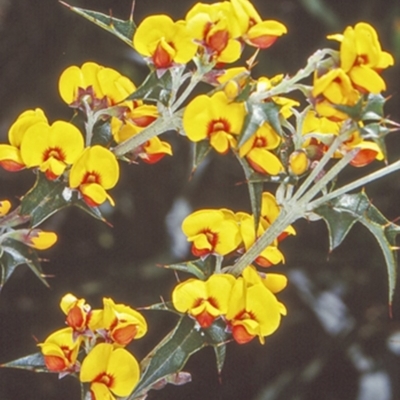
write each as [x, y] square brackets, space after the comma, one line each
[288, 85]
[354, 185]
[162, 124]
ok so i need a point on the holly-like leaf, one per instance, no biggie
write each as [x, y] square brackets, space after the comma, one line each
[255, 187]
[201, 269]
[102, 134]
[34, 362]
[15, 253]
[373, 109]
[171, 354]
[123, 30]
[44, 199]
[154, 88]
[47, 197]
[258, 114]
[201, 150]
[343, 212]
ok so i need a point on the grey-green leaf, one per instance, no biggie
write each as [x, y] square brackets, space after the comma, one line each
[342, 213]
[34, 362]
[15, 253]
[123, 30]
[172, 353]
[201, 269]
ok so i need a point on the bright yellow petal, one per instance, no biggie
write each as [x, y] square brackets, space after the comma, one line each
[266, 162]
[96, 362]
[367, 79]
[124, 368]
[186, 293]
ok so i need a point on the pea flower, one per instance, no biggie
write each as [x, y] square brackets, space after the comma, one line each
[253, 29]
[257, 151]
[210, 25]
[51, 147]
[118, 323]
[98, 86]
[253, 308]
[368, 150]
[204, 300]
[362, 58]
[164, 41]
[110, 372]
[212, 232]
[215, 118]
[10, 154]
[35, 238]
[60, 351]
[271, 255]
[95, 171]
[77, 312]
[333, 88]
[5, 206]
[133, 122]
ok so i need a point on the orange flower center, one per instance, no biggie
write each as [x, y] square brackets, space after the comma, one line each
[218, 125]
[218, 41]
[105, 379]
[91, 177]
[76, 318]
[54, 152]
[260, 142]
[161, 58]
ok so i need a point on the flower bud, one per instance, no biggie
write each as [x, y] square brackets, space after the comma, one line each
[298, 162]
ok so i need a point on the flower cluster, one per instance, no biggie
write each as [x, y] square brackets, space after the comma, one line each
[59, 150]
[101, 335]
[212, 32]
[247, 304]
[222, 232]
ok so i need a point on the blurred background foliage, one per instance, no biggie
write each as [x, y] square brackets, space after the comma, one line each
[336, 343]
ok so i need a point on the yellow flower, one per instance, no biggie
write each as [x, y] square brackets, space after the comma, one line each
[298, 162]
[334, 88]
[121, 323]
[368, 150]
[77, 312]
[214, 118]
[60, 351]
[271, 255]
[164, 41]
[95, 171]
[362, 58]
[98, 86]
[211, 26]
[10, 154]
[51, 148]
[41, 240]
[5, 206]
[253, 309]
[254, 31]
[212, 232]
[204, 300]
[110, 372]
[257, 151]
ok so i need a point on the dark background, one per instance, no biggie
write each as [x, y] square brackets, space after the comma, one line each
[337, 342]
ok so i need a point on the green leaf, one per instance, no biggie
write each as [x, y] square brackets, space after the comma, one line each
[102, 134]
[34, 362]
[172, 353]
[354, 112]
[47, 197]
[255, 187]
[44, 199]
[373, 109]
[258, 114]
[123, 30]
[342, 213]
[201, 269]
[154, 88]
[201, 150]
[15, 253]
